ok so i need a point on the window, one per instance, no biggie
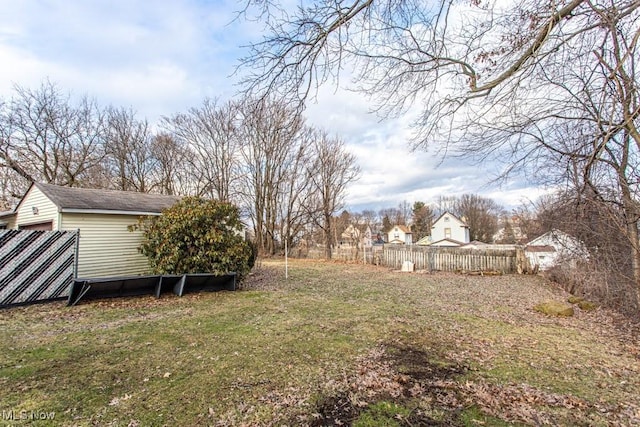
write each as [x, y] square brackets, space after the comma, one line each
[447, 233]
[446, 219]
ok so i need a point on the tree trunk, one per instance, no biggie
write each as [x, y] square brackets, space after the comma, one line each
[327, 236]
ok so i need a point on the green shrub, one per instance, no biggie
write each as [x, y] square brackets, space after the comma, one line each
[197, 236]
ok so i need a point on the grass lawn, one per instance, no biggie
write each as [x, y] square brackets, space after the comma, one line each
[335, 344]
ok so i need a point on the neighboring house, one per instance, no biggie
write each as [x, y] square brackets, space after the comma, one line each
[107, 247]
[553, 247]
[400, 235]
[447, 243]
[356, 235]
[450, 228]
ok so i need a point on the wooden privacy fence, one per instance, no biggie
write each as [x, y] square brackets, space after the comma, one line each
[36, 265]
[450, 259]
[369, 255]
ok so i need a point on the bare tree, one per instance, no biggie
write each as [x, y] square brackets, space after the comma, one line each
[211, 134]
[481, 215]
[505, 81]
[404, 213]
[129, 151]
[46, 138]
[270, 145]
[173, 167]
[296, 190]
[456, 58]
[394, 216]
[11, 182]
[527, 217]
[11, 187]
[445, 204]
[371, 219]
[330, 173]
[607, 276]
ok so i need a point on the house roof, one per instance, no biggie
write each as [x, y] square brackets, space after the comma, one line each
[443, 242]
[425, 241]
[403, 228]
[70, 199]
[552, 236]
[464, 224]
[539, 248]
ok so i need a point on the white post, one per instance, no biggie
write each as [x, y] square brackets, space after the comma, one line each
[286, 257]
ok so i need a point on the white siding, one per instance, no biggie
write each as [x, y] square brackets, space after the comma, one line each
[47, 211]
[567, 249]
[544, 260]
[107, 247]
[458, 231]
[399, 236]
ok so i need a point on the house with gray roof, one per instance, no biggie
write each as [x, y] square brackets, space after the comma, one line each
[104, 218]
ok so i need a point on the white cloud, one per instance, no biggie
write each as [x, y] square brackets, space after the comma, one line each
[159, 57]
[163, 57]
[391, 172]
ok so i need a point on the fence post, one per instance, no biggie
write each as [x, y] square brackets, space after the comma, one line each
[76, 255]
[522, 266]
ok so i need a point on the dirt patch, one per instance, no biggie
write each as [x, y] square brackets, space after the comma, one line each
[421, 366]
[334, 411]
[340, 411]
[404, 375]
[260, 279]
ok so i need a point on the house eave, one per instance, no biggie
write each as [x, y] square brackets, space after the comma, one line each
[108, 212]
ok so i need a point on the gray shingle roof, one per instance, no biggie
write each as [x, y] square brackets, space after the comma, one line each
[88, 199]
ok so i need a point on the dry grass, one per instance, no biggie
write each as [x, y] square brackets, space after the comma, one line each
[336, 343]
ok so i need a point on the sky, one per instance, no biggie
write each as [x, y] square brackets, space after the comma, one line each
[162, 57]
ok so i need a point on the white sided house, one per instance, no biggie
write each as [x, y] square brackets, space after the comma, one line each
[553, 248]
[448, 231]
[400, 235]
[104, 217]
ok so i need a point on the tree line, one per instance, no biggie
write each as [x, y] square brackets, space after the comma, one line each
[484, 216]
[260, 155]
[549, 89]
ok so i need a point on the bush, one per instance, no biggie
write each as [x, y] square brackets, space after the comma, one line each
[197, 236]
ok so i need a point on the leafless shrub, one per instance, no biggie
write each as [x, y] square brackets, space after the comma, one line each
[595, 282]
